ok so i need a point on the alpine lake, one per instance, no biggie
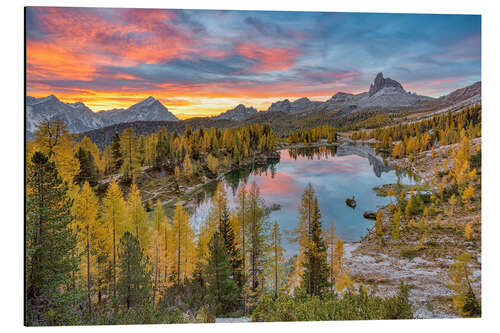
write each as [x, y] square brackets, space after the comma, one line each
[335, 172]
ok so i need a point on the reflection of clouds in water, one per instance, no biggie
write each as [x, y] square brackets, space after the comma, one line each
[281, 184]
[333, 178]
[200, 214]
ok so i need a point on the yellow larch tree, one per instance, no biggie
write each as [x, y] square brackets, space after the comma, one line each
[276, 256]
[137, 215]
[461, 285]
[160, 242]
[128, 148]
[84, 210]
[53, 139]
[330, 240]
[342, 279]
[183, 243]
[378, 222]
[115, 221]
[187, 167]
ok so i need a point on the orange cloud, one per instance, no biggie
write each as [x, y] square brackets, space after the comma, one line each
[267, 59]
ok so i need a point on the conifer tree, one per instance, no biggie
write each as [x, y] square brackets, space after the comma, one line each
[222, 289]
[89, 172]
[159, 227]
[137, 214]
[134, 278]
[183, 243]
[464, 298]
[53, 139]
[256, 235]
[242, 220]
[187, 167]
[88, 145]
[85, 213]
[50, 244]
[331, 236]
[129, 154]
[396, 220]
[315, 277]
[276, 259]
[212, 163]
[378, 222]
[116, 153]
[114, 220]
[342, 279]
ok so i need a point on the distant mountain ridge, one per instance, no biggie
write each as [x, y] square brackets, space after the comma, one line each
[79, 118]
[238, 113]
[384, 93]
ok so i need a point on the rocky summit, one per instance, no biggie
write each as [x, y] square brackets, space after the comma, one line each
[380, 83]
[240, 112]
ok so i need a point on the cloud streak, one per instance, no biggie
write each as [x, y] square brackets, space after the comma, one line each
[107, 56]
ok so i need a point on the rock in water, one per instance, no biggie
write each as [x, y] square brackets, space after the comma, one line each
[369, 214]
[350, 202]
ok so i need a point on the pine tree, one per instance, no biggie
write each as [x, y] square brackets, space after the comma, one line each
[88, 145]
[116, 153]
[227, 233]
[89, 172]
[50, 244]
[134, 278]
[85, 211]
[315, 277]
[312, 248]
[222, 289]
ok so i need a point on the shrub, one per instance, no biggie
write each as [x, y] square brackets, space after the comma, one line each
[331, 306]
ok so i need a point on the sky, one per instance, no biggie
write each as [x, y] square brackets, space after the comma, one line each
[204, 62]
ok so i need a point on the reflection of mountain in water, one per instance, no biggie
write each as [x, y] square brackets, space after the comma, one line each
[367, 152]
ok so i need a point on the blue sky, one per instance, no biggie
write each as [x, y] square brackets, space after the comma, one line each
[205, 62]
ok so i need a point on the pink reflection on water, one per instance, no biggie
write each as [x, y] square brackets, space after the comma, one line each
[281, 184]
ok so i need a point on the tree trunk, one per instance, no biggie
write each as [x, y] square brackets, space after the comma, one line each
[88, 275]
[114, 254]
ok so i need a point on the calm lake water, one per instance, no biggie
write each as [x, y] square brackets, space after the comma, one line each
[335, 174]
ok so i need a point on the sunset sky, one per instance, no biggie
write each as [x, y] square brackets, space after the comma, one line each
[204, 62]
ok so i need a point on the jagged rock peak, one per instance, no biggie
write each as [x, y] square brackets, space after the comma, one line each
[238, 113]
[380, 82]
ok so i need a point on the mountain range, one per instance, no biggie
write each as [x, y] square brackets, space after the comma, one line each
[384, 93]
[79, 118]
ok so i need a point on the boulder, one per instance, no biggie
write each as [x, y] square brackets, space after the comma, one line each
[350, 202]
[369, 214]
